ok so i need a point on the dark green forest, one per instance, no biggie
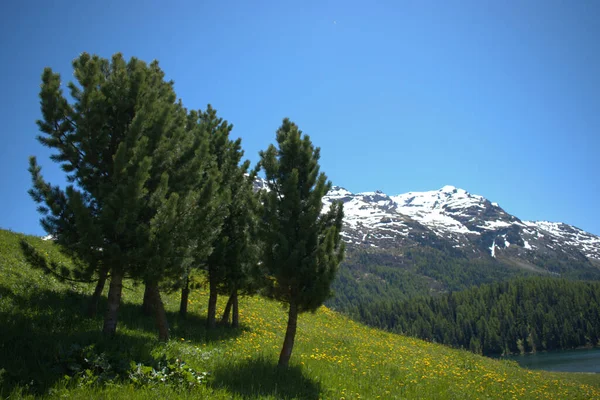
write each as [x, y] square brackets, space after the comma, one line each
[516, 316]
[481, 304]
[367, 277]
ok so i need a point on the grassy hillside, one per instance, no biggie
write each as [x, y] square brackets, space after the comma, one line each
[44, 337]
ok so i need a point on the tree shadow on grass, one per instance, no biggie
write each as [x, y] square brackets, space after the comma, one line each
[43, 337]
[256, 378]
[43, 333]
[192, 327]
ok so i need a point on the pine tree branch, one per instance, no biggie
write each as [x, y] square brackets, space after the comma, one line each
[71, 122]
[62, 138]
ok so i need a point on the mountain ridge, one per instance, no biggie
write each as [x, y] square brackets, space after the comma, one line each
[455, 214]
[462, 225]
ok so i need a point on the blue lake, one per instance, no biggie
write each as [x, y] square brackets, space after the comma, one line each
[583, 360]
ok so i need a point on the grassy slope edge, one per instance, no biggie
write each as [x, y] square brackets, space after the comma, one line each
[334, 358]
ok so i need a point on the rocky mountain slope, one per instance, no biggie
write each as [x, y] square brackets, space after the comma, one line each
[462, 225]
[467, 221]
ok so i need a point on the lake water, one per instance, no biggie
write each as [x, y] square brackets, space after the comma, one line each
[583, 360]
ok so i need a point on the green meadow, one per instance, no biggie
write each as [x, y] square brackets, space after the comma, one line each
[49, 348]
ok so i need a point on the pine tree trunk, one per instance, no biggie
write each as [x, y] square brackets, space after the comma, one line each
[290, 335]
[235, 320]
[227, 312]
[185, 294]
[147, 305]
[212, 305]
[114, 301]
[159, 312]
[93, 306]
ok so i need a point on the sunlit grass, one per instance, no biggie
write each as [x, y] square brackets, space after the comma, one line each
[334, 357]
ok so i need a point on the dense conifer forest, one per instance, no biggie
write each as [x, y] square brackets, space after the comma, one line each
[516, 316]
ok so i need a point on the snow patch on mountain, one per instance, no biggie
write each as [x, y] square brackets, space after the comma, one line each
[440, 223]
[436, 208]
[493, 225]
[493, 249]
[446, 197]
[563, 235]
[359, 211]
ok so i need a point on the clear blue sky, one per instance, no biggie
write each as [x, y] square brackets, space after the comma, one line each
[499, 98]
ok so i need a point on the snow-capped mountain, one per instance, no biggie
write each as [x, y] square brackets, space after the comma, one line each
[453, 211]
[467, 221]
[468, 224]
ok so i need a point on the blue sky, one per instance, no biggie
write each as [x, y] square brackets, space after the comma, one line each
[499, 98]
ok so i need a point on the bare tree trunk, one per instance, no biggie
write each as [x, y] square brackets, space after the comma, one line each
[212, 304]
[114, 301]
[93, 306]
[159, 312]
[290, 335]
[185, 294]
[235, 320]
[227, 312]
[147, 305]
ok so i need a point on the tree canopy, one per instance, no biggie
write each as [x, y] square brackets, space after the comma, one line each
[302, 246]
[141, 177]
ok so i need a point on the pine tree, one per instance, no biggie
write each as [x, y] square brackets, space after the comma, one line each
[59, 219]
[194, 222]
[302, 246]
[225, 155]
[232, 251]
[239, 251]
[139, 177]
